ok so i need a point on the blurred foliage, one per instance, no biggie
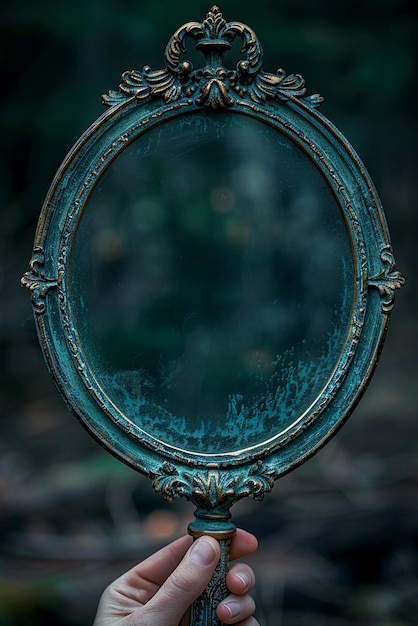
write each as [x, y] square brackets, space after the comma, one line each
[339, 540]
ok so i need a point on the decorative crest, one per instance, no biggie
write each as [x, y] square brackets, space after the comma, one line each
[213, 85]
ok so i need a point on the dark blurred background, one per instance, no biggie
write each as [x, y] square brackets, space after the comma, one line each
[339, 536]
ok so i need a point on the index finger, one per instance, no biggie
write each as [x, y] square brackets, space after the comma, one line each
[242, 544]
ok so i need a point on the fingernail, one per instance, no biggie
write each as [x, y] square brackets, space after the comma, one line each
[203, 552]
[234, 608]
[245, 579]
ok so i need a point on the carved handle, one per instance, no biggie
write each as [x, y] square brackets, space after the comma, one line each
[204, 608]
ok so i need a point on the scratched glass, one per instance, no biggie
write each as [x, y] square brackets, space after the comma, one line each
[212, 282]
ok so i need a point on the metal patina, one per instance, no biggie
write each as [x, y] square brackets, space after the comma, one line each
[297, 402]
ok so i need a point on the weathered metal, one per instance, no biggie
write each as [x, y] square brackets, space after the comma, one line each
[214, 472]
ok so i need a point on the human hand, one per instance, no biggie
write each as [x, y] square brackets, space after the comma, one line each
[160, 590]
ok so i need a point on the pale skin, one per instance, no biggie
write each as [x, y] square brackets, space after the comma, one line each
[161, 589]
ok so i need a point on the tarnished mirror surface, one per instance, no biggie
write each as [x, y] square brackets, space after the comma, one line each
[208, 315]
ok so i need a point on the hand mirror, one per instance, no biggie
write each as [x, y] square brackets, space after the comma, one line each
[212, 277]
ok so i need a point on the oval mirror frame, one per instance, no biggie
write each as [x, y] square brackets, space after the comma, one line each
[145, 100]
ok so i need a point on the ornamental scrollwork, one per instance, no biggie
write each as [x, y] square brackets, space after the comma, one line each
[213, 86]
[36, 281]
[387, 281]
[211, 488]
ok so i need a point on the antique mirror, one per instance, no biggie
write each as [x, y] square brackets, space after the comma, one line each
[212, 277]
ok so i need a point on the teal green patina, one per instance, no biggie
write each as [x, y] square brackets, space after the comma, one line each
[212, 278]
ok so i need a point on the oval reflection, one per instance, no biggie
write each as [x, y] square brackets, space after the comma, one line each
[212, 282]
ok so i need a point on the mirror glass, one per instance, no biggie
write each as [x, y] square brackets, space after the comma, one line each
[211, 282]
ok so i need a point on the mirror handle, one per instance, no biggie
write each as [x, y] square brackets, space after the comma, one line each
[204, 607]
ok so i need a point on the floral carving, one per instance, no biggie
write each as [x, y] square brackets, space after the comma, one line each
[213, 86]
[211, 488]
[36, 281]
[214, 92]
[387, 281]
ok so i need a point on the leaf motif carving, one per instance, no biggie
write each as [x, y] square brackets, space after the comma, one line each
[36, 281]
[387, 281]
[144, 85]
[213, 37]
[211, 488]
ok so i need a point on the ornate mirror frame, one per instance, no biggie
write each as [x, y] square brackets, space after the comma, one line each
[145, 99]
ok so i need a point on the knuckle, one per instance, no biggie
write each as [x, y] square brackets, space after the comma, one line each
[182, 582]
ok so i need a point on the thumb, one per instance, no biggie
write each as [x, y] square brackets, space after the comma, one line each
[184, 585]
